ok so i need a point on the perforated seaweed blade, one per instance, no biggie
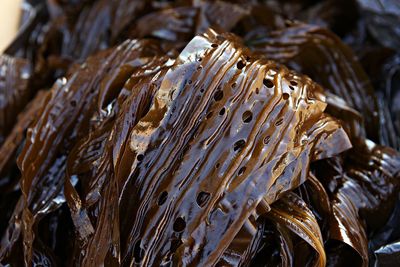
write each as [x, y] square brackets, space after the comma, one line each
[319, 53]
[225, 131]
[70, 111]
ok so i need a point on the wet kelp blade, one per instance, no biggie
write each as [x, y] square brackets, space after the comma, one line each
[292, 212]
[170, 150]
[72, 106]
[319, 53]
[203, 111]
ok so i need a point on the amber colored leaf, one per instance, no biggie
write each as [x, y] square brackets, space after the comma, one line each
[292, 212]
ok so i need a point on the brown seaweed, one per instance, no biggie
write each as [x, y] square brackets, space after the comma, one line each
[292, 213]
[358, 190]
[14, 91]
[224, 89]
[46, 136]
[144, 134]
[321, 55]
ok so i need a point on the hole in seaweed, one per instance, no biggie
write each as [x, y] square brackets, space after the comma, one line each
[238, 146]
[214, 45]
[189, 82]
[179, 225]
[291, 87]
[279, 122]
[140, 157]
[268, 83]
[285, 96]
[73, 103]
[218, 95]
[202, 198]
[241, 170]
[199, 68]
[240, 65]
[257, 91]
[247, 116]
[138, 252]
[266, 139]
[199, 59]
[217, 165]
[202, 90]
[294, 83]
[233, 85]
[222, 111]
[162, 198]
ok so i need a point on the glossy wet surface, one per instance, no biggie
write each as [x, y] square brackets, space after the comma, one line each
[200, 133]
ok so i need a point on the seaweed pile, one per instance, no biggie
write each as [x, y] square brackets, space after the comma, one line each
[201, 133]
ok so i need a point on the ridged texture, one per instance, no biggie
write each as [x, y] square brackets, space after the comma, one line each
[157, 141]
[320, 54]
[367, 183]
[292, 212]
[14, 91]
[259, 143]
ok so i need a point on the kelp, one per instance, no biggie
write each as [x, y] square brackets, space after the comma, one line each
[382, 21]
[292, 212]
[14, 91]
[46, 137]
[386, 255]
[360, 185]
[10, 176]
[15, 138]
[227, 92]
[99, 153]
[390, 95]
[288, 216]
[320, 54]
[144, 134]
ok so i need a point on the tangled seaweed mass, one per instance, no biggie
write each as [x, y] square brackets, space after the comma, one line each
[201, 133]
